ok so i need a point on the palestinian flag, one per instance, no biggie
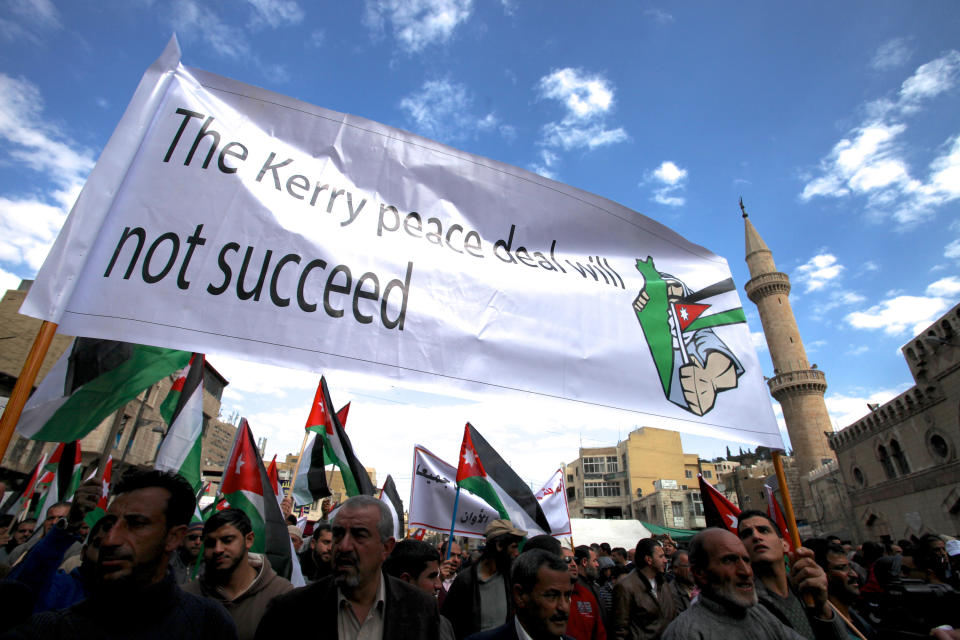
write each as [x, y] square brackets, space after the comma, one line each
[310, 483]
[719, 511]
[337, 449]
[773, 510]
[101, 509]
[91, 380]
[484, 473]
[21, 503]
[390, 497]
[246, 486]
[64, 473]
[274, 474]
[180, 450]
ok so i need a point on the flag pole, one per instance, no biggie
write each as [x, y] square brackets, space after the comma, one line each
[306, 434]
[788, 509]
[24, 384]
[453, 522]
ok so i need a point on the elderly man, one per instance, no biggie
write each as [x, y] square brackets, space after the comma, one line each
[777, 591]
[541, 590]
[134, 595]
[243, 582]
[643, 605]
[480, 597]
[358, 600]
[683, 585]
[727, 606]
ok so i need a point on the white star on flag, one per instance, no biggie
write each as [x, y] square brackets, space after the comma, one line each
[239, 463]
[468, 458]
[733, 520]
[683, 313]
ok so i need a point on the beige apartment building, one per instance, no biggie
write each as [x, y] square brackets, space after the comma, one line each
[287, 469]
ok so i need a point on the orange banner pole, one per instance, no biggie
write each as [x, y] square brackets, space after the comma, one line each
[788, 510]
[21, 390]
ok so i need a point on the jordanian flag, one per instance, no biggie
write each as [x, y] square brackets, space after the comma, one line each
[91, 380]
[310, 483]
[180, 450]
[390, 497]
[717, 510]
[101, 509]
[22, 503]
[63, 471]
[337, 449]
[484, 473]
[246, 486]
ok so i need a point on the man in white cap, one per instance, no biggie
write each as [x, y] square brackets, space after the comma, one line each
[480, 598]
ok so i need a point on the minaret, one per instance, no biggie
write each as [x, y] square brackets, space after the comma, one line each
[796, 385]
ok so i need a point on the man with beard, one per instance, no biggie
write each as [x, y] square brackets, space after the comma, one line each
[184, 559]
[843, 583]
[588, 572]
[683, 585]
[134, 596]
[541, 591]
[642, 603]
[727, 606]
[418, 564]
[358, 600]
[777, 591]
[480, 598]
[317, 561]
[585, 621]
[243, 582]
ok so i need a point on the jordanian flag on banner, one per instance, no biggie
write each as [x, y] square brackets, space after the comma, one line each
[484, 473]
[180, 450]
[246, 486]
[91, 380]
[390, 497]
[101, 509]
[64, 474]
[718, 511]
[310, 483]
[337, 449]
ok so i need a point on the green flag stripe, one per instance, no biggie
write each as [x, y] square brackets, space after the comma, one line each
[733, 316]
[330, 457]
[93, 402]
[190, 470]
[479, 487]
[239, 500]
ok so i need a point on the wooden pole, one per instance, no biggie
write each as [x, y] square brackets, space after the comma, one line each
[21, 390]
[788, 512]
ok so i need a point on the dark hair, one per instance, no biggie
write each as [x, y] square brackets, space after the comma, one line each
[291, 519]
[492, 548]
[821, 547]
[234, 517]
[97, 527]
[24, 521]
[410, 556]
[870, 551]
[527, 566]
[543, 541]
[582, 553]
[606, 547]
[319, 528]
[6, 519]
[645, 548]
[618, 570]
[922, 556]
[619, 550]
[754, 513]
[443, 547]
[182, 502]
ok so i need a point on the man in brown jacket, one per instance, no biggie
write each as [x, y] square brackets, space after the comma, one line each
[642, 603]
[243, 582]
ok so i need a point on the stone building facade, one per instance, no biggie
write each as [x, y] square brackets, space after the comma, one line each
[899, 464]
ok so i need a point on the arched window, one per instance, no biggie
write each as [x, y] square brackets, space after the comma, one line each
[886, 462]
[899, 457]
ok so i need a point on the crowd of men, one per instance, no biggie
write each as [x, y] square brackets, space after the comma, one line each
[144, 571]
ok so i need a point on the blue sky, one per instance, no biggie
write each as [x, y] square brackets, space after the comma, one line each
[838, 123]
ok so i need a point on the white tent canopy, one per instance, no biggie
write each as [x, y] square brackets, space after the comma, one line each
[617, 533]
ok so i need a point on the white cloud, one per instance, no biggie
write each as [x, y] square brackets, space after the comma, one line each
[847, 409]
[8, 281]
[587, 99]
[658, 15]
[759, 340]
[891, 54]
[900, 313]
[28, 20]
[818, 271]
[443, 110]
[870, 160]
[672, 179]
[548, 159]
[952, 250]
[275, 13]
[418, 23]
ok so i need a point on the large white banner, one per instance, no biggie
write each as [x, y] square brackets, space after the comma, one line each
[553, 500]
[222, 217]
[432, 494]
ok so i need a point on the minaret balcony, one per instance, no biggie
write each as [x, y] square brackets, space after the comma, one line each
[799, 382]
[767, 284]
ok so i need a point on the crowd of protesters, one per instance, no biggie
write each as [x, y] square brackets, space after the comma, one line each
[145, 571]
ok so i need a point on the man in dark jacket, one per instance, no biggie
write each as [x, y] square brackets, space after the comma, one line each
[643, 605]
[480, 598]
[242, 582]
[358, 598]
[134, 596]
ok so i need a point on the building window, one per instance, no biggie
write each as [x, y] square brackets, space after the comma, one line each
[697, 503]
[602, 489]
[688, 473]
[707, 473]
[939, 446]
[886, 462]
[677, 509]
[593, 465]
[653, 512]
[612, 466]
[899, 457]
[569, 478]
[859, 477]
[571, 493]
